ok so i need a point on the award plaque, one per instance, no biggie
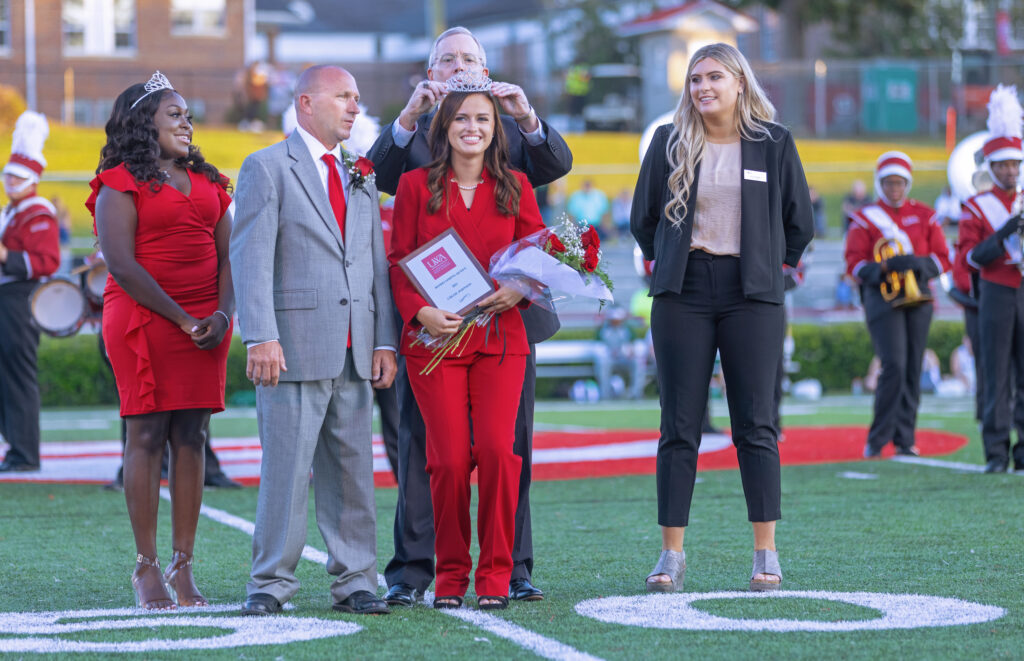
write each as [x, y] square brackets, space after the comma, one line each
[444, 272]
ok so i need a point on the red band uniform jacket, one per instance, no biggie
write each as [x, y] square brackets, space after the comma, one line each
[483, 228]
[918, 221]
[983, 251]
[32, 240]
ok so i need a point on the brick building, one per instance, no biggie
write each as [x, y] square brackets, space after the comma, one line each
[87, 51]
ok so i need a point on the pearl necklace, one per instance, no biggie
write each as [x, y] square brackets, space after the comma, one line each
[461, 187]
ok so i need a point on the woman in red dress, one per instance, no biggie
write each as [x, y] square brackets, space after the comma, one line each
[163, 226]
[471, 187]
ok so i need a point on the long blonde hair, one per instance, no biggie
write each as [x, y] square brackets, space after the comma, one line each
[685, 146]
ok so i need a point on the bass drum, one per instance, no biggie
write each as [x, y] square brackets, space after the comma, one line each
[58, 308]
[93, 282]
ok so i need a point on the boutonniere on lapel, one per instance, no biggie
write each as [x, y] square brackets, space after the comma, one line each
[360, 170]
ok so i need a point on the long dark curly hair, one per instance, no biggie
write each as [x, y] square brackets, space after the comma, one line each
[132, 140]
[507, 188]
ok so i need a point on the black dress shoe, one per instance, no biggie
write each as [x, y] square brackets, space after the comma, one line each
[362, 602]
[996, 466]
[220, 481]
[402, 594]
[12, 467]
[261, 603]
[521, 589]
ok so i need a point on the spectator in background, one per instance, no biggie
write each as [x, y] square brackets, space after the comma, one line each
[627, 355]
[844, 293]
[947, 208]
[818, 209]
[589, 204]
[931, 372]
[255, 89]
[621, 206]
[63, 215]
[962, 364]
[855, 199]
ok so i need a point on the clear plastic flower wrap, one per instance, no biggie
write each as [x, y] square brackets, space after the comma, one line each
[565, 258]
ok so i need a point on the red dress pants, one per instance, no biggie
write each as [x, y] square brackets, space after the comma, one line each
[483, 388]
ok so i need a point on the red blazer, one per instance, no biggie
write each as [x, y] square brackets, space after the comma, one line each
[485, 231]
[32, 239]
[916, 219]
[975, 228]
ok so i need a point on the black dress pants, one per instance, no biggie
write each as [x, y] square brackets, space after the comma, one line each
[19, 387]
[1001, 330]
[899, 336]
[711, 313]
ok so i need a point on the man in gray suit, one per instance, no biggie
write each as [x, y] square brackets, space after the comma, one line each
[314, 309]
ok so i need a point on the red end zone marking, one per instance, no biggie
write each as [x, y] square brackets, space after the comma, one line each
[558, 455]
[803, 445]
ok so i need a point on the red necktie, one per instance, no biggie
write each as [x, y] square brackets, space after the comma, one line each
[335, 192]
[337, 196]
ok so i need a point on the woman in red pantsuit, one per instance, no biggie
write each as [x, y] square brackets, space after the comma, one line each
[469, 401]
[163, 225]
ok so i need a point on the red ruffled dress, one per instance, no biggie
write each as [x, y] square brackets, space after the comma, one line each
[157, 367]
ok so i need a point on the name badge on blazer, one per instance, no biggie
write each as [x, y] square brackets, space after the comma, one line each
[755, 175]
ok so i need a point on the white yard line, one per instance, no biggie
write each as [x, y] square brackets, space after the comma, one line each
[542, 646]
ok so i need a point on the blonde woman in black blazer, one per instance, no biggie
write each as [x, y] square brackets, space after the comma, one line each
[720, 205]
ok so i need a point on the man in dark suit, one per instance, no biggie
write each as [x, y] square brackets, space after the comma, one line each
[542, 154]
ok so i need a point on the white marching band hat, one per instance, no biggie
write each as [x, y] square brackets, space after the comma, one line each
[30, 133]
[1004, 126]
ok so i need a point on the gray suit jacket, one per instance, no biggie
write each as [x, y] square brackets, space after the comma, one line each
[295, 279]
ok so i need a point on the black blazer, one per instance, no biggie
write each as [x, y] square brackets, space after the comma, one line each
[542, 164]
[776, 221]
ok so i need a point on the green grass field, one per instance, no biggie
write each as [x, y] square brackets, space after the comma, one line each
[912, 529]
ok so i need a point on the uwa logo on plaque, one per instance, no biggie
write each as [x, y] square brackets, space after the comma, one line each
[438, 263]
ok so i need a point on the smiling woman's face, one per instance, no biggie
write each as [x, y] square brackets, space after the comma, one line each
[714, 90]
[174, 126]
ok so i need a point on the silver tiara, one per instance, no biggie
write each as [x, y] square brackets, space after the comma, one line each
[469, 81]
[156, 83]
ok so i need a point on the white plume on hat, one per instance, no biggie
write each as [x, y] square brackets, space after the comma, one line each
[30, 133]
[1004, 126]
[1005, 112]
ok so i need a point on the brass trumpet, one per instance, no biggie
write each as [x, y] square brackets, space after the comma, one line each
[900, 289]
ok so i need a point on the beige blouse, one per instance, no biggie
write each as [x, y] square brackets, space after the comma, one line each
[716, 219]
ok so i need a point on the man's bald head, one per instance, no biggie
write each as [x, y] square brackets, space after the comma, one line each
[315, 77]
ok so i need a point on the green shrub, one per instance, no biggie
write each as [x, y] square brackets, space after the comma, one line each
[837, 353]
[72, 373]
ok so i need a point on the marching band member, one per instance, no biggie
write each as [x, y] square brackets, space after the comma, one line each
[894, 246]
[29, 250]
[989, 239]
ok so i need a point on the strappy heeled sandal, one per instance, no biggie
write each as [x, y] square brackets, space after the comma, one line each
[180, 583]
[491, 603]
[448, 601]
[161, 602]
[673, 565]
[765, 562]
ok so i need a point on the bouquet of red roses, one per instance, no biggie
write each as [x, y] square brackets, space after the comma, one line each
[565, 257]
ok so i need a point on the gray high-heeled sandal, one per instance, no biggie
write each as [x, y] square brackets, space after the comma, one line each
[672, 564]
[765, 562]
